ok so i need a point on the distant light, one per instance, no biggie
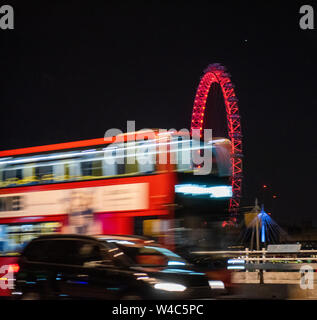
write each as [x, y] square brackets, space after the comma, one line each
[176, 263]
[169, 286]
[118, 254]
[174, 270]
[143, 277]
[214, 284]
[121, 241]
[14, 267]
[168, 132]
[236, 267]
[164, 251]
[217, 141]
[212, 191]
[76, 282]
[263, 232]
[149, 241]
[140, 274]
[233, 261]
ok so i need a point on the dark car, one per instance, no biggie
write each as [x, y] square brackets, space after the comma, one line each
[83, 267]
[145, 251]
[216, 268]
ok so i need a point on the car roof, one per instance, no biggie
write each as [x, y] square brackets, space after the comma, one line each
[135, 238]
[130, 236]
[64, 236]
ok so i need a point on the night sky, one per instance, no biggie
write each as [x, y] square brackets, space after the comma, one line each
[70, 71]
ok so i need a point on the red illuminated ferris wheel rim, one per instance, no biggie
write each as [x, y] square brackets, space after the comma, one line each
[216, 73]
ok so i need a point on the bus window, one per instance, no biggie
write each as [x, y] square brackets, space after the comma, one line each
[146, 167]
[44, 173]
[131, 168]
[183, 155]
[59, 171]
[146, 156]
[109, 167]
[114, 160]
[74, 170]
[97, 168]
[11, 175]
[86, 168]
[120, 166]
[28, 173]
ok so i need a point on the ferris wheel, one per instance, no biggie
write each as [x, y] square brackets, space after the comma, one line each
[217, 74]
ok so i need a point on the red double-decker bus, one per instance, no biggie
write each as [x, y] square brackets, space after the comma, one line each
[82, 187]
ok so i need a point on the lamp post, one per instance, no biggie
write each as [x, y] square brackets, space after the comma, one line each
[264, 189]
[257, 233]
[255, 228]
[274, 197]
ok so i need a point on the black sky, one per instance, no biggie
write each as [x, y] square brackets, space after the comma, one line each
[72, 70]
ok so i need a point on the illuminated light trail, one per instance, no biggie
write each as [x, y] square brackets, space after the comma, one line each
[216, 73]
[116, 149]
[212, 191]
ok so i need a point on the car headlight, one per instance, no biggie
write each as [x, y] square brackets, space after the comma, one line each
[215, 284]
[170, 286]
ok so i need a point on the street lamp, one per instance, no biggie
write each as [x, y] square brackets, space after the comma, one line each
[264, 188]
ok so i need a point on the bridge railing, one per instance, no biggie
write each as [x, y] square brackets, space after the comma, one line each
[290, 270]
[255, 260]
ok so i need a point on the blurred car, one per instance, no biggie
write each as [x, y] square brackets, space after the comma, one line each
[145, 251]
[105, 267]
[214, 266]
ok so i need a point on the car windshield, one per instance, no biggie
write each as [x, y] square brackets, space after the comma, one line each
[151, 255]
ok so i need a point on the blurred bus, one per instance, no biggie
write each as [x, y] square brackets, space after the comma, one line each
[95, 187]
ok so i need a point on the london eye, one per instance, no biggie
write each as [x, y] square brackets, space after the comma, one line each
[215, 75]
